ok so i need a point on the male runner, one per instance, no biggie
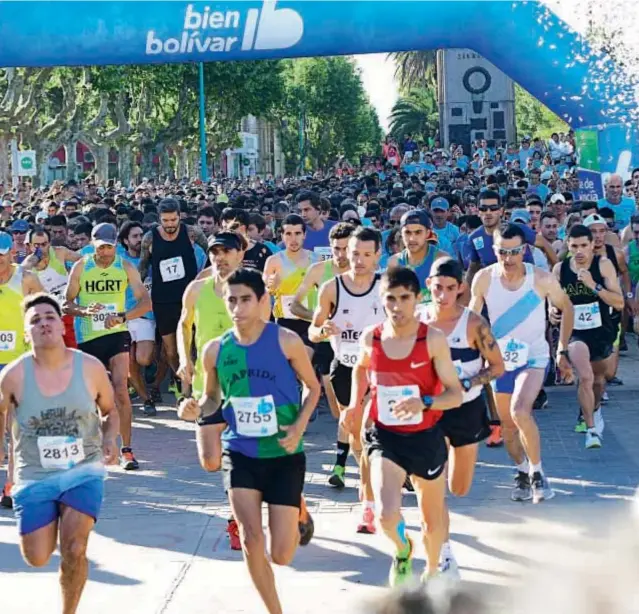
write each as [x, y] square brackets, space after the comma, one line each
[317, 229]
[478, 361]
[251, 378]
[99, 283]
[514, 293]
[348, 304]
[412, 379]
[15, 284]
[142, 330]
[64, 425]
[318, 274]
[420, 250]
[591, 283]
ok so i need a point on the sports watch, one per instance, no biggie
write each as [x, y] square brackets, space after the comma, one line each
[427, 401]
[466, 384]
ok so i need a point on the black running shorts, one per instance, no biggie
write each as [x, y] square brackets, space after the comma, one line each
[167, 316]
[297, 326]
[341, 377]
[107, 347]
[466, 424]
[323, 357]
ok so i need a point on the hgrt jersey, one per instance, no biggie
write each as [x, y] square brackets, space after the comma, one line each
[12, 340]
[352, 314]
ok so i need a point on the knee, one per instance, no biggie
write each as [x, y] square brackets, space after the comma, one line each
[519, 413]
[36, 558]
[587, 379]
[144, 359]
[73, 550]
[211, 462]
[282, 554]
[252, 539]
[388, 518]
[459, 487]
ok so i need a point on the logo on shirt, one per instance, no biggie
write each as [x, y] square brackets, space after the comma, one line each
[478, 242]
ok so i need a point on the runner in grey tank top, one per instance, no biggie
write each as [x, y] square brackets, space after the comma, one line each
[64, 425]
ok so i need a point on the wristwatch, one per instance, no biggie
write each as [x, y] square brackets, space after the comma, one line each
[427, 401]
[121, 314]
[466, 384]
[630, 295]
[563, 353]
[598, 288]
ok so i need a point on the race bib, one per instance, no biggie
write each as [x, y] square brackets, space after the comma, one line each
[60, 452]
[587, 316]
[324, 253]
[98, 319]
[514, 353]
[286, 302]
[348, 353]
[172, 269]
[458, 367]
[148, 284]
[255, 416]
[388, 397]
[8, 340]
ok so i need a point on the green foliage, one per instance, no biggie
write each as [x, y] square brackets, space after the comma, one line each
[415, 69]
[416, 113]
[533, 118]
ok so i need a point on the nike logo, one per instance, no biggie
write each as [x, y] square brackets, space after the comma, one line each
[432, 472]
[416, 365]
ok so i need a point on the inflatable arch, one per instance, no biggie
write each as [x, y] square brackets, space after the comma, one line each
[523, 38]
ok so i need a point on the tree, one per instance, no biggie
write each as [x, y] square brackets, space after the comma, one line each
[416, 113]
[533, 118]
[415, 69]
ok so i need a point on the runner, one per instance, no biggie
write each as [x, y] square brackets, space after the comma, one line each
[99, 283]
[591, 283]
[412, 379]
[346, 306]
[251, 378]
[142, 330]
[420, 251]
[478, 361]
[64, 425]
[317, 237]
[15, 284]
[238, 220]
[318, 274]
[514, 293]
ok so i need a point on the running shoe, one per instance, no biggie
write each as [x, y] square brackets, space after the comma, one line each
[133, 394]
[541, 402]
[623, 346]
[605, 397]
[448, 563]
[6, 501]
[401, 570]
[367, 525]
[593, 440]
[155, 395]
[234, 534]
[615, 381]
[541, 490]
[599, 421]
[580, 427]
[495, 440]
[306, 524]
[337, 477]
[408, 485]
[149, 408]
[127, 460]
[521, 492]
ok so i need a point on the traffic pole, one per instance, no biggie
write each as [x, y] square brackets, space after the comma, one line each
[204, 171]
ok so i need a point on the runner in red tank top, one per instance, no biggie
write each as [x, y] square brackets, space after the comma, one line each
[412, 378]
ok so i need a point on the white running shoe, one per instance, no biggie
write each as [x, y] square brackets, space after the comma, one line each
[592, 440]
[448, 564]
[599, 422]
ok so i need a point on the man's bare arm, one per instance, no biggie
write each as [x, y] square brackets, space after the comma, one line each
[310, 280]
[196, 234]
[484, 340]
[323, 311]
[145, 254]
[439, 350]
[140, 293]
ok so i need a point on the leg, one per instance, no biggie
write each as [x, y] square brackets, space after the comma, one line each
[246, 505]
[209, 446]
[580, 359]
[509, 428]
[38, 546]
[528, 383]
[119, 367]
[601, 369]
[163, 367]
[284, 531]
[170, 349]
[330, 396]
[430, 496]
[75, 528]
[461, 469]
[135, 374]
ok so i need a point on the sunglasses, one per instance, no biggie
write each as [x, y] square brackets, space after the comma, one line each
[513, 251]
[485, 208]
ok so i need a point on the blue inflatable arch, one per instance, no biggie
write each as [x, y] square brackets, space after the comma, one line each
[522, 38]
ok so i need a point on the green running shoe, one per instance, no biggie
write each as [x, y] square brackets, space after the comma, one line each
[401, 570]
[581, 427]
[337, 477]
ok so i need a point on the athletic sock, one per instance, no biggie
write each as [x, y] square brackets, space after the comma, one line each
[368, 505]
[342, 453]
[524, 467]
[535, 468]
[401, 533]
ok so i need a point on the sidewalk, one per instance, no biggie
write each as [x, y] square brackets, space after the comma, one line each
[161, 546]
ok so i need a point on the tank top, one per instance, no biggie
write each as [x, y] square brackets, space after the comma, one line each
[260, 392]
[211, 320]
[327, 273]
[468, 361]
[106, 286]
[352, 314]
[291, 279]
[422, 270]
[52, 434]
[54, 277]
[592, 315]
[130, 299]
[12, 340]
[518, 321]
[633, 262]
[392, 380]
[173, 266]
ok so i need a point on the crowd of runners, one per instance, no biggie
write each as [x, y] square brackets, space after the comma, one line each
[427, 305]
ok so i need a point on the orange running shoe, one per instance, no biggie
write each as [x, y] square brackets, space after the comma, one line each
[495, 439]
[306, 524]
[368, 522]
[234, 534]
[6, 500]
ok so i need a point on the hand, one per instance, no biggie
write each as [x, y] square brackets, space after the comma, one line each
[113, 320]
[189, 410]
[554, 315]
[632, 306]
[110, 451]
[584, 276]
[93, 308]
[565, 367]
[291, 440]
[272, 283]
[185, 372]
[329, 328]
[407, 408]
[30, 261]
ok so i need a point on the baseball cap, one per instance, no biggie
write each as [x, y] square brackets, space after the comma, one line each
[41, 216]
[104, 234]
[429, 186]
[6, 243]
[19, 226]
[416, 216]
[440, 203]
[593, 219]
[229, 240]
[520, 215]
[557, 198]
[546, 176]
[222, 198]
[398, 185]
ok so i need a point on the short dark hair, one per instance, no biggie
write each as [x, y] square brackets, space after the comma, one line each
[547, 214]
[126, 229]
[41, 298]
[588, 204]
[240, 216]
[511, 231]
[311, 197]
[248, 277]
[292, 219]
[39, 230]
[607, 212]
[635, 218]
[343, 230]
[447, 267]
[168, 205]
[207, 212]
[84, 228]
[57, 220]
[258, 221]
[578, 231]
[490, 195]
[366, 233]
[401, 277]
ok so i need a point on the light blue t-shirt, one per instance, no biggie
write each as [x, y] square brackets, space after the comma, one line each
[623, 211]
[446, 238]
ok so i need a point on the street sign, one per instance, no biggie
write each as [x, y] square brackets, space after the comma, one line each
[27, 163]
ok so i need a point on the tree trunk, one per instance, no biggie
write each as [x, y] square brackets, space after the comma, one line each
[101, 156]
[43, 150]
[146, 161]
[5, 174]
[165, 163]
[181, 170]
[70, 148]
[125, 164]
[193, 158]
